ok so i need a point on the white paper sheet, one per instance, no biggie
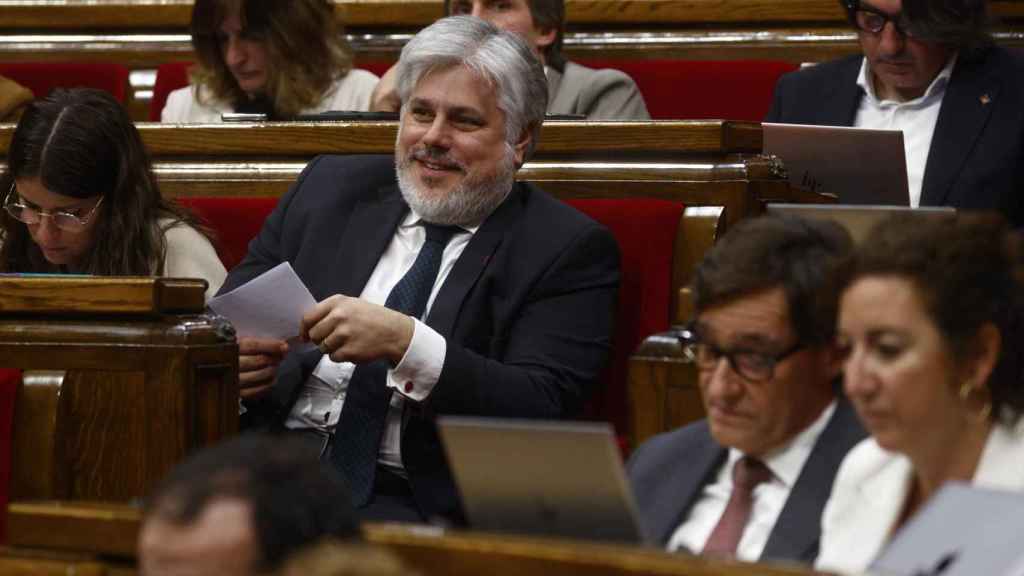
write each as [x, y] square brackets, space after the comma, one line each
[270, 305]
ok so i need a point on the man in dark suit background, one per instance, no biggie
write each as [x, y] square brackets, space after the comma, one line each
[512, 316]
[931, 70]
[751, 479]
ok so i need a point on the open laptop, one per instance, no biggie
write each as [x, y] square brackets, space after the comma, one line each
[858, 165]
[541, 478]
[858, 220]
[962, 531]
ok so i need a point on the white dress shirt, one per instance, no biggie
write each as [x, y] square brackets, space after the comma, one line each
[915, 118]
[323, 394]
[769, 497]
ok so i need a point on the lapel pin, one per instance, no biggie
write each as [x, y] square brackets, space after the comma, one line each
[985, 99]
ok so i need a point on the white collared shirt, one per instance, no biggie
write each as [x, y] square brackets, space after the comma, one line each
[768, 497]
[323, 394]
[916, 118]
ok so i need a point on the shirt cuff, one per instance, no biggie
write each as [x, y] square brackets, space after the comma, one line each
[418, 372]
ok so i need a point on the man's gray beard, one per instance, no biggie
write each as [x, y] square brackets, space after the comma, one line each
[468, 204]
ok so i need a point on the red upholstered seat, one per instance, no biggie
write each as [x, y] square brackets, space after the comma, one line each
[645, 229]
[43, 77]
[234, 221]
[701, 89]
[9, 380]
[169, 77]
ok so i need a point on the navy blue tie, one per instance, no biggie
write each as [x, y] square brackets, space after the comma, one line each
[361, 423]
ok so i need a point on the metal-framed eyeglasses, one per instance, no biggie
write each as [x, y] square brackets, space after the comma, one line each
[64, 220]
[873, 20]
[753, 365]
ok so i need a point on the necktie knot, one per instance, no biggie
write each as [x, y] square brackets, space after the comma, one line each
[440, 233]
[749, 473]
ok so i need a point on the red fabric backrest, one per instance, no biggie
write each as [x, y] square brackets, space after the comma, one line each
[378, 67]
[42, 77]
[646, 231]
[235, 221]
[703, 89]
[169, 77]
[9, 381]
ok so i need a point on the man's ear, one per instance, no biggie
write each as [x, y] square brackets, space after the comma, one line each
[519, 148]
[544, 37]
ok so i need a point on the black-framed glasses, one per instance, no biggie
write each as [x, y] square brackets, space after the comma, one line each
[873, 20]
[64, 220]
[753, 365]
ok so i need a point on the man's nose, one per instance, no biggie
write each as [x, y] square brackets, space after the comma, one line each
[478, 10]
[723, 381]
[891, 41]
[437, 135]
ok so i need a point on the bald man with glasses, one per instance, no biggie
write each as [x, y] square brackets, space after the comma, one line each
[750, 481]
[931, 70]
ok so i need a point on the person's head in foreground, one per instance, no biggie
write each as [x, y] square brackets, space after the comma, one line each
[765, 298]
[932, 325]
[242, 507]
[79, 193]
[285, 54]
[908, 42]
[474, 99]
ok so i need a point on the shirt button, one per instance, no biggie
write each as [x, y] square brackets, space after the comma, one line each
[408, 387]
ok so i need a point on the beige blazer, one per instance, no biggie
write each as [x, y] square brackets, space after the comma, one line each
[871, 489]
[605, 94]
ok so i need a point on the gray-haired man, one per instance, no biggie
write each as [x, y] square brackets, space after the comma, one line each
[514, 318]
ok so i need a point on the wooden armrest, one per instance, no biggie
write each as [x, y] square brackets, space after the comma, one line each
[663, 387]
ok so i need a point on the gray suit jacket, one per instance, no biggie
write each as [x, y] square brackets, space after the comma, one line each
[669, 471]
[605, 94]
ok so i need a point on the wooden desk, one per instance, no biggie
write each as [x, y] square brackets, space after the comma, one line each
[56, 534]
[123, 377]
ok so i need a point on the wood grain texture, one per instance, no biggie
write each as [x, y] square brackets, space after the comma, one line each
[85, 528]
[64, 295]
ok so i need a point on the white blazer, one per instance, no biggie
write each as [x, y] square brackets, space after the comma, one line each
[871, 489]
[351, 92]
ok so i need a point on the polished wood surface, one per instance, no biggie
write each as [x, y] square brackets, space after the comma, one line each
[81, 532]
[112, 396]
[124, 295]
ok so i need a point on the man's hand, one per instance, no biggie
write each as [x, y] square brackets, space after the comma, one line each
[258, 359]
[353, 330]
[384, 97]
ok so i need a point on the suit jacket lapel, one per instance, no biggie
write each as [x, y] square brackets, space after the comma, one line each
[798, 528]
[472, 262]
[965, 111]
[840, 104]
[369, 231]
[686, 482]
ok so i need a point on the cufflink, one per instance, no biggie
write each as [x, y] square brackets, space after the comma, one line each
[408, 387]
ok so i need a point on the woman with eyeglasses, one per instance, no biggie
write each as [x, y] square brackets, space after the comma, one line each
[932, 324]
[80, 197]
[281, 58]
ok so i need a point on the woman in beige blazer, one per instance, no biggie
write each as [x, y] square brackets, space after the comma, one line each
[933, 323]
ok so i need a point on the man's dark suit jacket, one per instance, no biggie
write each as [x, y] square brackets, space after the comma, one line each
[976, 160]
[668, 474]
[526, 310]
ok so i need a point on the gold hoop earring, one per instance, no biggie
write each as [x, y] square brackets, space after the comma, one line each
[965, 393]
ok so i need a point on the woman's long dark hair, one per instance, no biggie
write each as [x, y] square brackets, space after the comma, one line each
[81, 143]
